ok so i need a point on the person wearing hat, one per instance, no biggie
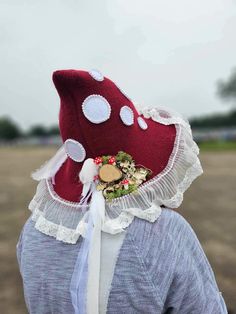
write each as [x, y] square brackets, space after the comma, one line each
[103, 236]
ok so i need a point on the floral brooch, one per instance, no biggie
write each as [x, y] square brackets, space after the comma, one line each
[118, 175]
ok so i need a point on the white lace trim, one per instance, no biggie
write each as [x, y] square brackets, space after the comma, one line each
[59, 232]
[163, 115]
[66, 221]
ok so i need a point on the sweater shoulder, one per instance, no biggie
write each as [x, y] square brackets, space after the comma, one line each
[170, 229]
[171, 252]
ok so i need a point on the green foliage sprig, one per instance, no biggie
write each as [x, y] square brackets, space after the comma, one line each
[132, 176]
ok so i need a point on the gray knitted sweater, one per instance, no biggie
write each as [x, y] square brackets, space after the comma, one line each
[158, 268]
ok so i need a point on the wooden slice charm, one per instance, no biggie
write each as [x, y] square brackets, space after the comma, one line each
[109, 173]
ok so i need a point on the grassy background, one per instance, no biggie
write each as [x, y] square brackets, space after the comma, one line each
[209, 206]
[218, 146]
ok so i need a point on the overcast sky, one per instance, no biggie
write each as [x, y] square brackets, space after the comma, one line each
[159, 51]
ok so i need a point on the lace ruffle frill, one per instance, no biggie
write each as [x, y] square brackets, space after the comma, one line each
[66, 221]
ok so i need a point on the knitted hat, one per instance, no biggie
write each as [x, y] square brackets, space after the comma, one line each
[96, 113]
[118, 161]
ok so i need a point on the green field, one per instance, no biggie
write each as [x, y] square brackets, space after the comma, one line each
[218, 145]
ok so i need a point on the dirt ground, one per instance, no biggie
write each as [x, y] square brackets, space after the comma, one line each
[209, 205]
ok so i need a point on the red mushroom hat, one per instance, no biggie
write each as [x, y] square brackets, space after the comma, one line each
[149, 151]
[118, 161]
[95, 113]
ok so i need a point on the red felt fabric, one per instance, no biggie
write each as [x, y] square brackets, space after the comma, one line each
[150, 148]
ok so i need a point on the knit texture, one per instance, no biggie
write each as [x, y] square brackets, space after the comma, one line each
[109, 137]
[161, 268]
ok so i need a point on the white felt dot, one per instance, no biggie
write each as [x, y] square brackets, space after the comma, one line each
[96, 108]
[75, 150]
[97, 75]
[127, 115]
[142, 123]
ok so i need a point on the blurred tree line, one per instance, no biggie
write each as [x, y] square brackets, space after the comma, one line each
[226, 90]
[9, 130]
[217, 120]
